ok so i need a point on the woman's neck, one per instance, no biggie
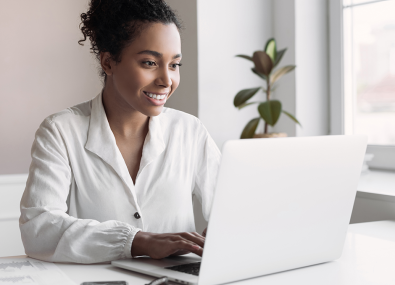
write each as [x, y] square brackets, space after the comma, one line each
[123, 119]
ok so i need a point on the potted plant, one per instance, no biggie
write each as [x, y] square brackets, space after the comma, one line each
[270, 110]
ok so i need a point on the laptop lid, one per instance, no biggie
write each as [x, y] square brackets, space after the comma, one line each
[280, 204]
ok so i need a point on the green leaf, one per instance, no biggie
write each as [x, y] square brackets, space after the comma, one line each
[245, 56]
[250, 128]
[270, 111]
[263, 62]
[244, 95]
[279, 56]
[246, 104]
[280, 72]
[263, 76]
[292, 117]
[271, 49]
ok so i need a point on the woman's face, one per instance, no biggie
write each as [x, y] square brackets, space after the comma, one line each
[149, 70]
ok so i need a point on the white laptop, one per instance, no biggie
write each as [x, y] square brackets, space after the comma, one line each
[280, 204]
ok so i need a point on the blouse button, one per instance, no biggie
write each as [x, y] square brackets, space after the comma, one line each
[137, 215]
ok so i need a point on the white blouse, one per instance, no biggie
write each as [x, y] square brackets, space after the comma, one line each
[80, 203]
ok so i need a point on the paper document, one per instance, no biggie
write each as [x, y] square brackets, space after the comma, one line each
[28, 271]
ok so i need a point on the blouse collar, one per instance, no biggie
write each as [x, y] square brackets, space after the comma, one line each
[101, 141]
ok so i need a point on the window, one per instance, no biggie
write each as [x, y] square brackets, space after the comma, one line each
[362, 74]
[369, 69]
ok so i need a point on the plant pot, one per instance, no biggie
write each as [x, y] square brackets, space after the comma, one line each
[270, 135]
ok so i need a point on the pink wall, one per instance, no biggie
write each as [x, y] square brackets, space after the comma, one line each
[42, 71]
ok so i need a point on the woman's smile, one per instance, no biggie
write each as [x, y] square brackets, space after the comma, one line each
[155, 98]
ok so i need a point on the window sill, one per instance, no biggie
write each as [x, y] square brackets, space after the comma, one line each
[375, 199]
[380, 182]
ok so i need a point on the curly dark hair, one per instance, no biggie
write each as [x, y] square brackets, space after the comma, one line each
[111, 25]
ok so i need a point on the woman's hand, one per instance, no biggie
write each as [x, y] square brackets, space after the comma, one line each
[204, 232]
[159, 246]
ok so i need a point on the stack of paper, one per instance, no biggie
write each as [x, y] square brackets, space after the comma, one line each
[28, 271]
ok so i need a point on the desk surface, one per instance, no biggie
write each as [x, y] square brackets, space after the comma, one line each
[368, 258]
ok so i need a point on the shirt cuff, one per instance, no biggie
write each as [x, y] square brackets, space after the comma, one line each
[127, 249]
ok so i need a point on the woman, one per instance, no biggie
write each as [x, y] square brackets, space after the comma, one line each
[114, 177]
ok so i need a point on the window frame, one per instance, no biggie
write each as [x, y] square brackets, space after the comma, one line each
[384, 155]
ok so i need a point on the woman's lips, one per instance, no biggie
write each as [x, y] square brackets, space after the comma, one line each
[158, 99]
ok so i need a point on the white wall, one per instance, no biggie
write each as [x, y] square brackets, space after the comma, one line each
[302, 27]
[227, 28]
[312, 74]
[11, 189]
[284, 33]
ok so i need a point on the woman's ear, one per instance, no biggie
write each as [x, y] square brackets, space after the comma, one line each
[105, 62]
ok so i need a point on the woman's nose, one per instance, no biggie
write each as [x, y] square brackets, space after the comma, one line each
[164, 78]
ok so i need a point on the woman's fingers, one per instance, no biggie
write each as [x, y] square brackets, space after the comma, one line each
[198, 235]
[189, 242]
[194, 237]
[185, 245]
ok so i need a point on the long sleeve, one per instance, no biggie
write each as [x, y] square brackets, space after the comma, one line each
[208, 160]
[48, 232]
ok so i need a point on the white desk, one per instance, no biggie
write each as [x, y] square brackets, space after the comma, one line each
[368, 258]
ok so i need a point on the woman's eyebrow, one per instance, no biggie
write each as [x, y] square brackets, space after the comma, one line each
[178, 55]
[151, 52]
[157, 54]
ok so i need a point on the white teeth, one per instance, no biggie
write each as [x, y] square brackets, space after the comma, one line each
[157, 97]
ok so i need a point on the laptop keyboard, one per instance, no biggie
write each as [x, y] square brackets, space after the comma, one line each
[190, 268]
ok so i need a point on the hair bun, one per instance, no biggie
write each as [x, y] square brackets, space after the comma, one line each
[111, 25]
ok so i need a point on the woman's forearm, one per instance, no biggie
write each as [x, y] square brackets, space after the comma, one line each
[57, 237]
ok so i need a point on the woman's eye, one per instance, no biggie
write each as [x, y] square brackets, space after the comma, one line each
[149, 63]
[175, 65]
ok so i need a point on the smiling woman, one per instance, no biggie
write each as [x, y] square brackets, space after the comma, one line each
[153, 62]
[114, 177]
